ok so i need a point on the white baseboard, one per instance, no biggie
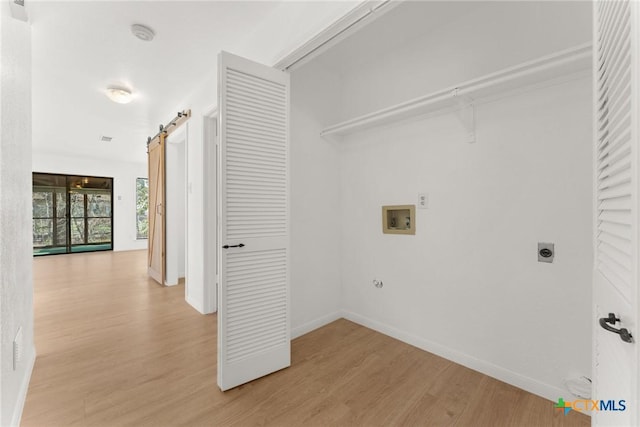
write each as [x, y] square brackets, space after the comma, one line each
[129, 249]
[314, 324]
[517, 380]
[22, 393]
[195, 304]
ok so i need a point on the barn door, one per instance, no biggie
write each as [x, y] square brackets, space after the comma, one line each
[254, 315]
[156, 238]
[616, 213]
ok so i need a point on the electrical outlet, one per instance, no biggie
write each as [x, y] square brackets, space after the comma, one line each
[546, 252]
[17, 349]
[423, 201]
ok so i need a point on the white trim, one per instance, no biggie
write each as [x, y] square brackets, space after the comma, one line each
[195, 304]
[154, 275]
[22, 393]
[635, 19]
[209, 190]
[315, 324]
[361, 15]
[529, 384]
[211, 111]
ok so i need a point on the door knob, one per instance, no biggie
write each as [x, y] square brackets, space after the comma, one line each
[624, 333]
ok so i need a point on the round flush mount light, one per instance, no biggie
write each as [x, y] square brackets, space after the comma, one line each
[142, 32]
[119, 95]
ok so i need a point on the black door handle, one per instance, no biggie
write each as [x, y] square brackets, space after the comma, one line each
[241, 245]
[624, 333]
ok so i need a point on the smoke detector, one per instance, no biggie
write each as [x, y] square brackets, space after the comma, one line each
[143, 32]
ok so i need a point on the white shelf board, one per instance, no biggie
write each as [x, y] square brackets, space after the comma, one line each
[529, 73]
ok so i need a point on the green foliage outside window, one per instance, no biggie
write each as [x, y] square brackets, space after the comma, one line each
[142, 208]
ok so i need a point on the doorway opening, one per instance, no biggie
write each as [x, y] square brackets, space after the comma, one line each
[71, 213]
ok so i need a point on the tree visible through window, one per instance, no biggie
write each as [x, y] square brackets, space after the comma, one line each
[142, 208]
[71, 213]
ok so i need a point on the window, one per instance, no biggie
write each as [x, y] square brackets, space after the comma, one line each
[142, 208]
[71, 214]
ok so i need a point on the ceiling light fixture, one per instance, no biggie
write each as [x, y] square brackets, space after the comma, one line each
[143, 32]
[119, 94]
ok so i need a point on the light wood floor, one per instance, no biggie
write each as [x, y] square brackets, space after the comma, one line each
[115, 349]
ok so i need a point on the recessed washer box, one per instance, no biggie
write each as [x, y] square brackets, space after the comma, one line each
[399, 219]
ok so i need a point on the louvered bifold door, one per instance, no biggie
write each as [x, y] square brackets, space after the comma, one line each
[616, 207]
[254, 314]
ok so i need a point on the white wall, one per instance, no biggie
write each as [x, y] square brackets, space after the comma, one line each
[199, 289]
[124, 189]
[16, 287]
[336, 201]
[176, 193]
[468, 285]
[480, 38]
[315, 200]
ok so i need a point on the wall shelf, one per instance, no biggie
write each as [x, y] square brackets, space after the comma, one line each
[556, 65]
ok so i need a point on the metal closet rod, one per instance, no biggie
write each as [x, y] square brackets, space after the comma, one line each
[167, 129]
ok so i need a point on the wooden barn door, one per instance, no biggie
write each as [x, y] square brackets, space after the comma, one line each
[156, 261]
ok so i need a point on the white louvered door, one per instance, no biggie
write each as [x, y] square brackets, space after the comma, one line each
[616, 210]
[254, 314]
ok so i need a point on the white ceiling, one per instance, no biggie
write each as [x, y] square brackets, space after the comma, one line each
[81, 47]
[403, 23]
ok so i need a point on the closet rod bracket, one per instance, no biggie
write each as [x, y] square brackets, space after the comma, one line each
[465, 111]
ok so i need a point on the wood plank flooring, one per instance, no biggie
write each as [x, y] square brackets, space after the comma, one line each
[116, 349]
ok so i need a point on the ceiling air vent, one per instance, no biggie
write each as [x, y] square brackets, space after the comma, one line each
[106, 138]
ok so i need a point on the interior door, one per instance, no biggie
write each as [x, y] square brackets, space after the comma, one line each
[253, 205]
[616, 222]
[156, 239]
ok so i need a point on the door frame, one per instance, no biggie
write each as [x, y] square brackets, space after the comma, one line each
[210, 146]
[176, 143]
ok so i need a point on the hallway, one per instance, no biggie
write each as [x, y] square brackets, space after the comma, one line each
[114, 349]
[112, 346]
